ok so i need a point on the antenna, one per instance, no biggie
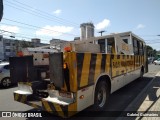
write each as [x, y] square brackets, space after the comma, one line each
[102, 31]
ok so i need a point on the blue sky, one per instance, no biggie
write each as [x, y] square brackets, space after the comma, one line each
[47, 19]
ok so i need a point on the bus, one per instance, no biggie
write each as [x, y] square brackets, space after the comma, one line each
[84, 73]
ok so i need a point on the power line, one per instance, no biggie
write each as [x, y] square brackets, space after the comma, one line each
[42, 14]
[24, 37]
[19, 26]
[38, 15]
[46, 12]
[38, 27]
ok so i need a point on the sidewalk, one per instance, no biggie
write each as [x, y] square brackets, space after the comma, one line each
[147, 103]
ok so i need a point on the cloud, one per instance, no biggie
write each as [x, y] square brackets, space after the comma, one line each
[57, 12]
[140, 26]
[102, 25]
[13, 29]
[54, 30]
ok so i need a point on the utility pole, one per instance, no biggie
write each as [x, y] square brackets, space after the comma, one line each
[102, 31]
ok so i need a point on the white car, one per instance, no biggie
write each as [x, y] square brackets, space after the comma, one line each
[5, 74]
[157, 62]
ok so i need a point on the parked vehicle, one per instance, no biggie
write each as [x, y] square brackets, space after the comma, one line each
[151, 60]
[157, 62]
[5, 74]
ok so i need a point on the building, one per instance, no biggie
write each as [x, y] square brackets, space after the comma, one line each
[56, 44]
[10, 47]
[1, 48]
[57, 41]
[76, 38]
[87, 30]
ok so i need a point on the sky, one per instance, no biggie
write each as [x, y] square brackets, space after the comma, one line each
[61, 19]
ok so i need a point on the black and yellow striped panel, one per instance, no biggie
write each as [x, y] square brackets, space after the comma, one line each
[56, 109]
[90, 66]
[136, 61]
[85, 68]
[20, 98]
[23, 99]
[73, 72]
[139, 61]
[25, 83]
[72, 109]
[98, 66]
[129, 63]
[118, 65]
[71, 84]
[33, 105]
[143, 60]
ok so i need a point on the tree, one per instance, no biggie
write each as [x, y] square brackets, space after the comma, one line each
[151, 52]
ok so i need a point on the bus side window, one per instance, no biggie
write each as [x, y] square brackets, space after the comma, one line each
[135, 47]
[140, 48]
[102, 45]
[111, 45]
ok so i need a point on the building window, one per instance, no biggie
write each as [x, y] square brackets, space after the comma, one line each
[7, 44]
[8, 50]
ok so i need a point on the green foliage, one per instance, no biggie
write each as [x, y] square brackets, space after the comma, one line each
[151, 52]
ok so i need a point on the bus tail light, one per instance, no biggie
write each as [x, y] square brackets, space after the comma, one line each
[65, 66]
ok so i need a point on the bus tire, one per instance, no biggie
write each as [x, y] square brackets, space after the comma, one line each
[6, 82]
[101, 96]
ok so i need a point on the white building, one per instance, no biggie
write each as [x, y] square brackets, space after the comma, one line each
[1, 48]
[10, 47]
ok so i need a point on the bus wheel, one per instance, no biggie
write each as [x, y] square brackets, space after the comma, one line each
[101, 96]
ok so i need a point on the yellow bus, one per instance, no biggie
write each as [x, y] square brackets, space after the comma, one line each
[83, 74]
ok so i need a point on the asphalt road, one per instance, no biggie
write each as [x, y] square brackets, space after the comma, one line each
[118, 101]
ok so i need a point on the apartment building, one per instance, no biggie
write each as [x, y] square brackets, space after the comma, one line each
[10, 47]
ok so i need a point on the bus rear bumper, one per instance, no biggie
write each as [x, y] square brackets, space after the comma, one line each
[51, 105]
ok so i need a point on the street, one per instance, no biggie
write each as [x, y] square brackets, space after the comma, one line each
[118, 101]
